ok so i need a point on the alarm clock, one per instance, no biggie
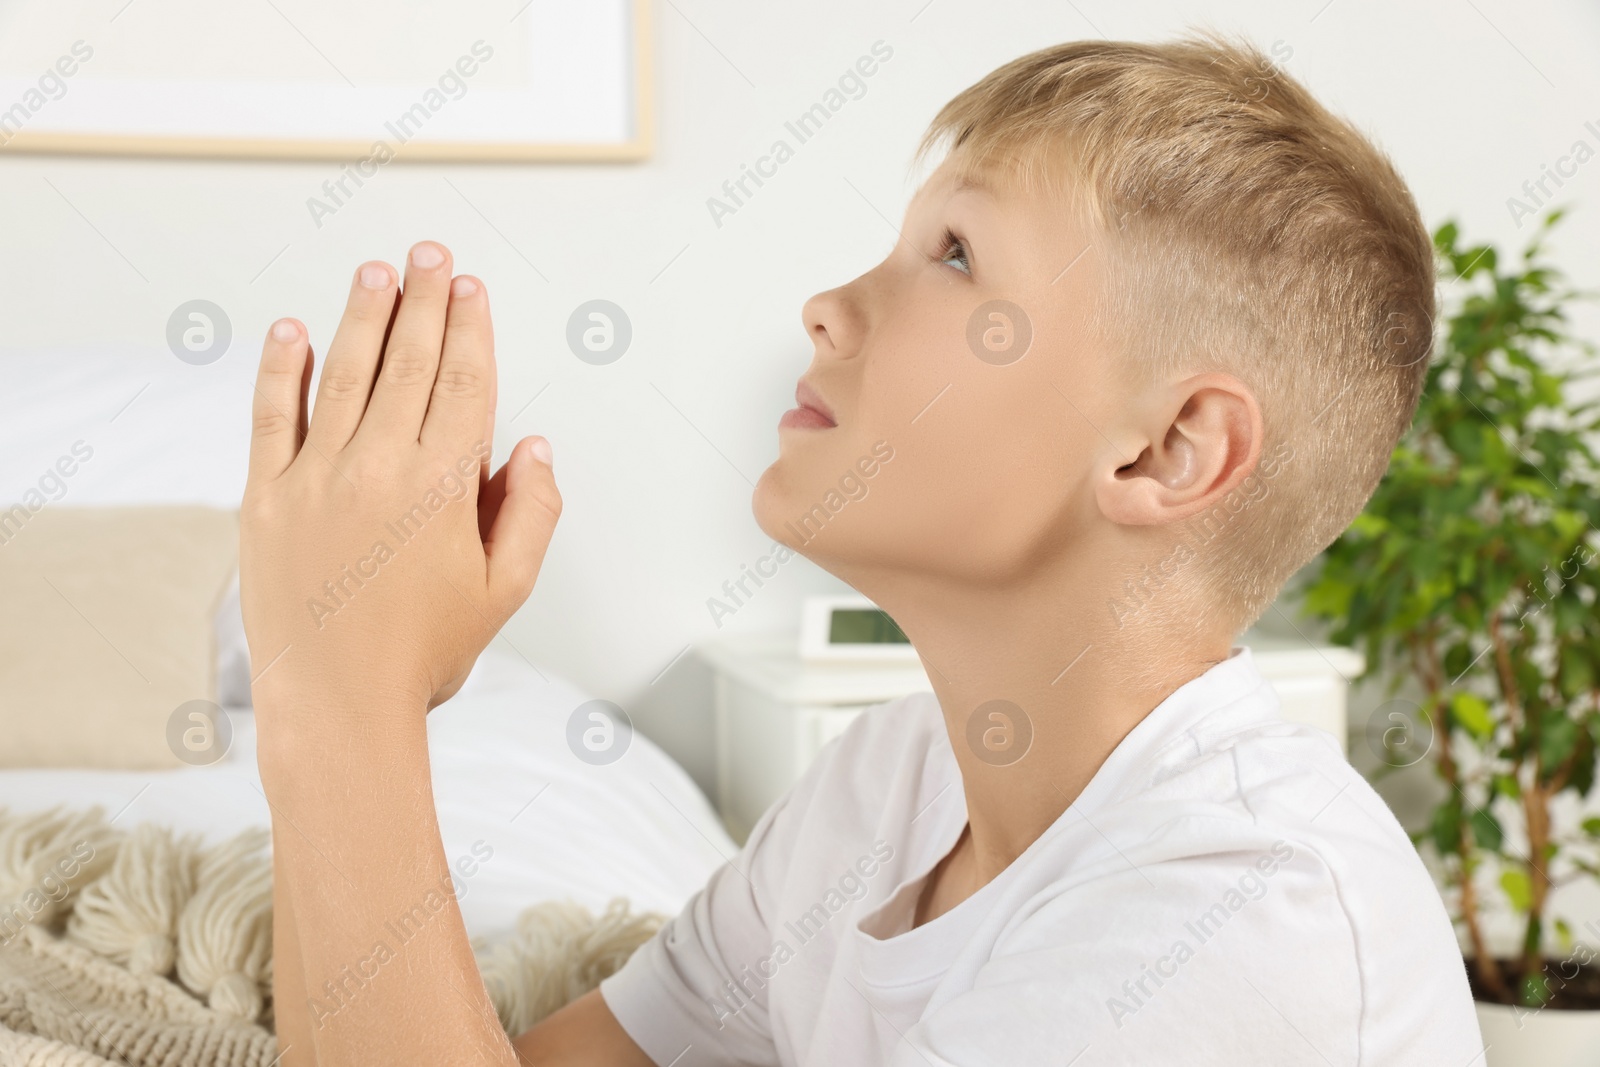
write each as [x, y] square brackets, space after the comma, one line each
[851, 629]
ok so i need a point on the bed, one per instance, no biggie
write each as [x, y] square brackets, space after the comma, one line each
[559, 828]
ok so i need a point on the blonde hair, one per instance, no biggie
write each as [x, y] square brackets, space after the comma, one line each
[1247, 229]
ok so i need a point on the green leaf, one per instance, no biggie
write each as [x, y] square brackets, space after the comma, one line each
[1557, 735]
[1472, 712]
[1577, 672]
[1444, 238]
[1445, 829]
[1486, 831]
[1457, 659]
[1329, 599]
[1583, 767]
[1571, 614]
[1518, 890]
[1369, 525]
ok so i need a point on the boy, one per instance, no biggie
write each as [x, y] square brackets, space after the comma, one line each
[1145, 344]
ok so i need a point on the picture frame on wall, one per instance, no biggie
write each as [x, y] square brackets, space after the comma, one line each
[361, 81]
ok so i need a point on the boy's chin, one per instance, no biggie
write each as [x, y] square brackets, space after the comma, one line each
[776, 511]
[771, 509]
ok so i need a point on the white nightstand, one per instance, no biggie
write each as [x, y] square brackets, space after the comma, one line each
[774, 712]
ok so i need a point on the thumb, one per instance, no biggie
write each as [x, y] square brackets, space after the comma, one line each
[521, 531]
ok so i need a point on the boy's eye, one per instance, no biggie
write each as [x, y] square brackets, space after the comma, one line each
[953, 252]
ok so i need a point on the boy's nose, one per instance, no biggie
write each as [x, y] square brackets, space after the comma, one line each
[833, 321]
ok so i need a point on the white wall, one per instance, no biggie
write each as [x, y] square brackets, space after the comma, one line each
[656, 453]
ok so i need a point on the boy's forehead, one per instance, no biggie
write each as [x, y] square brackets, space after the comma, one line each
[1007, 180]
[955, 176]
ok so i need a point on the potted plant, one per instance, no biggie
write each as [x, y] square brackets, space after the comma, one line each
[1471, 580]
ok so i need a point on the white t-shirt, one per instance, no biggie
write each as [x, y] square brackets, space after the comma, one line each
[1226, 890]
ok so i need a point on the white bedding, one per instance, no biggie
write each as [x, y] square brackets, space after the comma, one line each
[559, 828]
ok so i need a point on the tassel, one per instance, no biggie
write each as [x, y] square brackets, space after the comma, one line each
[44, 857]
[131, 914]
[225, 930]
[559, 952]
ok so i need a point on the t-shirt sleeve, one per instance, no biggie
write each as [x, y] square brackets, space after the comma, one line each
[679, 995]
[1205, 960]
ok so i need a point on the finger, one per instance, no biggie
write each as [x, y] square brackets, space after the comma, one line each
[411, 358]
[458, 411]
[353, 358]
[521, 533]
[278, 408]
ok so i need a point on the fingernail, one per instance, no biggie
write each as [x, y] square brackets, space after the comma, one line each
[463, 286]
[375, 276]
[285, 330]
[427, 256]
[541, 450]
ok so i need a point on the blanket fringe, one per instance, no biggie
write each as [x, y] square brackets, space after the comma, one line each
[164, 947]
[559, 952]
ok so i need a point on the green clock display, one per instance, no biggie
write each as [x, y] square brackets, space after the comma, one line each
[864, 626]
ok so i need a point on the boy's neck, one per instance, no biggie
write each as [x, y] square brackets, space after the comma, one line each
[1050, 650]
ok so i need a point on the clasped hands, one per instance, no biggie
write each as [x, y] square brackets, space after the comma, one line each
[378, 554]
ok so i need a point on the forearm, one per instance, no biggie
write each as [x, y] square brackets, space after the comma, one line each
[369, 889]
[290, 1007]
[584, 1033]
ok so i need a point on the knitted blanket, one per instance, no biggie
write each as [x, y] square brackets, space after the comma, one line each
[62, 1004]
[145, 949]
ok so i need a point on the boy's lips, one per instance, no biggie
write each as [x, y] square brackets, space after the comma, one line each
[811, 412]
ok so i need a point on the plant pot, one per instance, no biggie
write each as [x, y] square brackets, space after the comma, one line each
[1524, 1037]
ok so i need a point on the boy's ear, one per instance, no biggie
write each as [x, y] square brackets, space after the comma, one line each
[1200, 438]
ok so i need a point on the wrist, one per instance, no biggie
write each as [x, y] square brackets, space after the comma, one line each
[303, 675]
[307, 735]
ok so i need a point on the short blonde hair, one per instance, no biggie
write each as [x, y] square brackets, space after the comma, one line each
[1245, 228]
